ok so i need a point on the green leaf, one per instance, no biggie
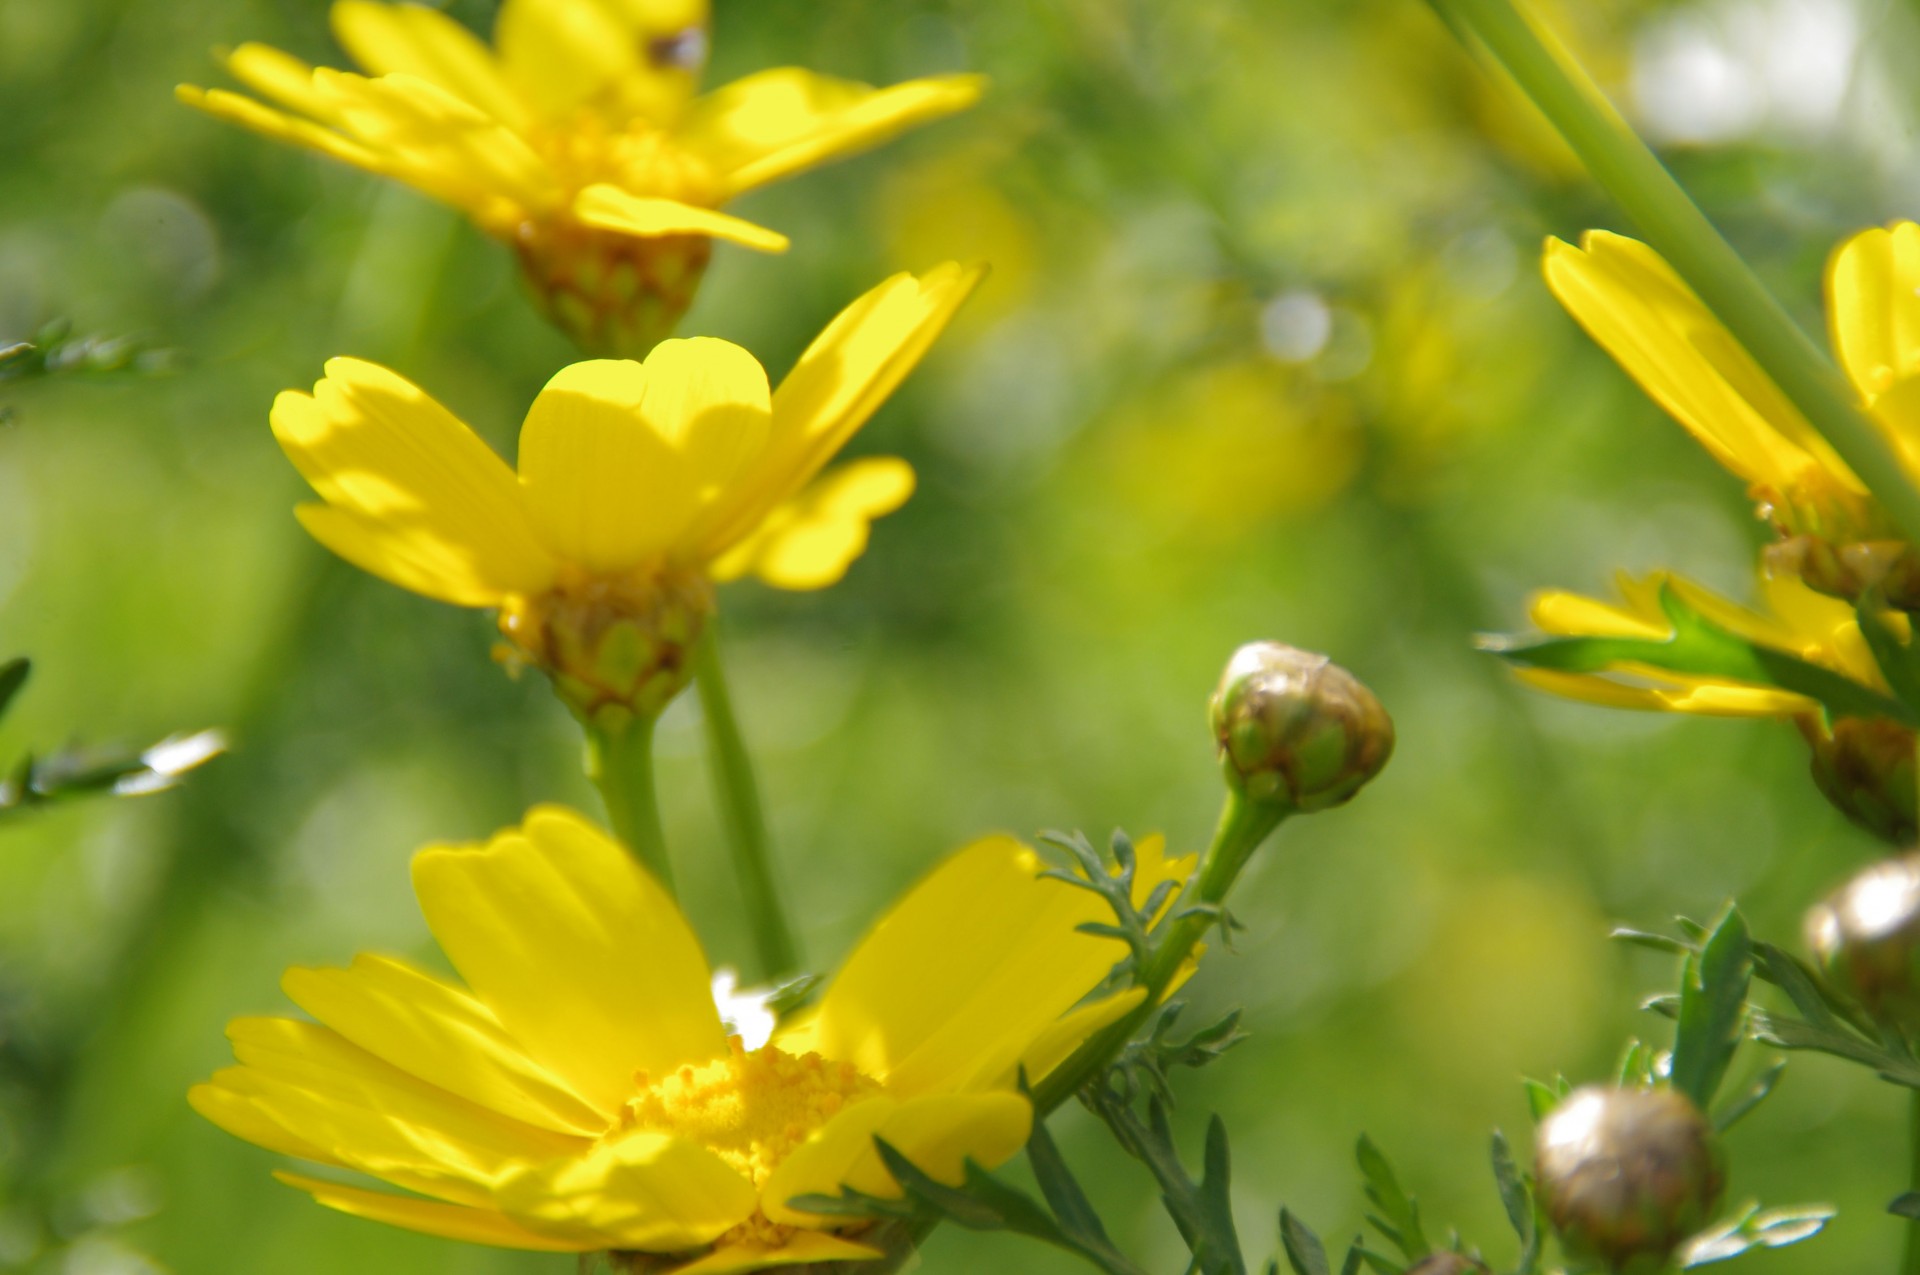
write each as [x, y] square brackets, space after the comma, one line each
[1400, 1220]
[1907, 1205]
[1542, 1097]
[1756, 1093]
[1751, 1229]
[1644, 938]
[1699, 646]
[1058, 1185]
[13, 676]
[1518, 1200]
[1713, 997]
[1305, 1253]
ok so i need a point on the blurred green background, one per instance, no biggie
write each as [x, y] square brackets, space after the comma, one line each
[1265, 354]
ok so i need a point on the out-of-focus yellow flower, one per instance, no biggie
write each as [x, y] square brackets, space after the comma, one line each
[638, 483]
[577, 138]
[1839, 540]
[1797, 621]
[580, 1093]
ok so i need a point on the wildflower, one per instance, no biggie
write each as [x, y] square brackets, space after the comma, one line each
[577, 138]
[580, 1092]
[1832, 531]
[639, 485]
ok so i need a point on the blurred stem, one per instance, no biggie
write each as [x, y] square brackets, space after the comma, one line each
[620, 763]
[1243, 826]
[738, 794]
[1680, 232]
[1910, 1257]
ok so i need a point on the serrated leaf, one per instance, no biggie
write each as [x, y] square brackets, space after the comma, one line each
[1755, 1094]
[1542, 1097]
[1713, 997]
[1648, 939]
[1401, 1212]
[1304, 1251]
[1059, 1187]
[1517, 1199]
[1749, 1229]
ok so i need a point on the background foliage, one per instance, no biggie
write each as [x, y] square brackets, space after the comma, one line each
[1265, 354]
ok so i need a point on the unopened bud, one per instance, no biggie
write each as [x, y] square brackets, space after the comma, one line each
[1849, 569]
[615, 295]
[1446, 1264]
[1865, 767]
[1866, 938]
[1296, 728]
[1626, 1174]
[624, 643]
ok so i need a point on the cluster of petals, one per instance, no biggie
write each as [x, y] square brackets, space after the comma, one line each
[502, 1107]
[1634, 304]
[684, 461]
[583, 112]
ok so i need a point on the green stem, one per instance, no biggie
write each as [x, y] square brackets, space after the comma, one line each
[1681, 233]
[620, 763]
[1243, 826]
[738, 794]
[1910, 1257]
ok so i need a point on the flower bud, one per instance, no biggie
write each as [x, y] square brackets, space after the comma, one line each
[1296, 728]
[625, 642]
[1626, 1174]
[1866, 938]
[615, 295]
[1446, 1264]
[1865, 767]
[1849, 569]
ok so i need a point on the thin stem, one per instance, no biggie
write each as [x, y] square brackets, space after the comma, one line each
[1680, 232]
[1910, 1257]
[620, 763]
[1243, 826]
[738, 795]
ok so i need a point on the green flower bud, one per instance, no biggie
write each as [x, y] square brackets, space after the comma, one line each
[1626, 1174]
[1446, 1264]
[1865, 767]
[1866, 938]
[1296, 728]
[622, 643]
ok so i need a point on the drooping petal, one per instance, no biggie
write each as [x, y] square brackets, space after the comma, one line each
[799, 1249]
[972, 967]
[1659, 691]
[443, 1036]
[1873, 306]
[418, 497]
[839, 382]
[610, 208]
[937, 1133]
[1637, 308]
[639, 1190]
[777, 122]
[371, 1116]
[809, 542]
[561, 55]
[577, 950]
[412, 39]
[432, 1217]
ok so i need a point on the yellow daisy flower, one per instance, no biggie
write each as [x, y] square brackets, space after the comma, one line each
[1634, 304]
[581, 1094]
[577, 138]
[1797, 621]
[638, 485]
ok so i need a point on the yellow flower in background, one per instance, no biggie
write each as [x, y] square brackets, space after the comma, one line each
[577, 138]
[638, 484]
[580, 1093]
[1634, 305]
[1797, 621]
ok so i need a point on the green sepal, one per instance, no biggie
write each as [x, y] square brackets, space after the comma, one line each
[1700, 647]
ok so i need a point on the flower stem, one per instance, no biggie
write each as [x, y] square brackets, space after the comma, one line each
[1910, 1257]
[1243, 825]
[738, 794]
[620, 763]
[1680, 232]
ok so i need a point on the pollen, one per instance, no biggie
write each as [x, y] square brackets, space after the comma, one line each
[752, 1107]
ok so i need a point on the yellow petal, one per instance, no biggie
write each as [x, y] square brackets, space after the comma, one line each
[417, 490]
[610, 208]
[560, 55]
[281, 77]
[972, 967]
[443, 1036]
[1634, 305]
[639, 1190]
[234, 1110]
[1873, 305]
[937, 1134]
[282, 127]
[617, 458]
[1669, 693]
[839, 382]
[412, 39]
[576, 949]
[777, 122]
[809, 542]
[1058, 1041]
[798, 1249]
[431, 1217]
[1569, 614]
